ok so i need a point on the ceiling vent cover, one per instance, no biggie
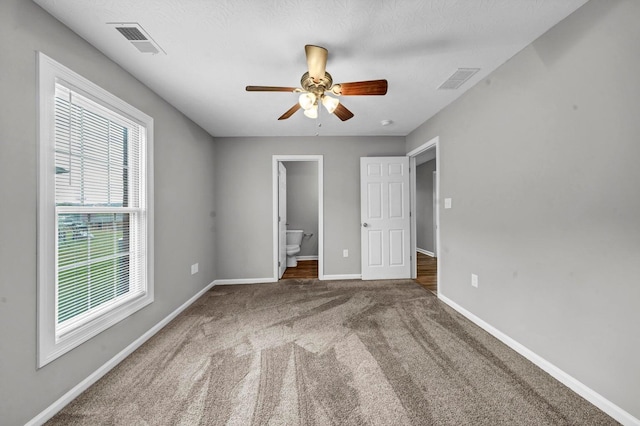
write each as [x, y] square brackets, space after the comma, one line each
[458, 78]
[131, 33]
[138, 37]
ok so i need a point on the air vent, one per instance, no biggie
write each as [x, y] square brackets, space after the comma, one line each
[458, 78]
[138, 37]
[131, 33]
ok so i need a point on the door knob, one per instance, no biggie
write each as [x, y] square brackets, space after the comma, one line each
[365, 225]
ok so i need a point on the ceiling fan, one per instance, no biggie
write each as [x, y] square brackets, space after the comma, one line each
[316, 82]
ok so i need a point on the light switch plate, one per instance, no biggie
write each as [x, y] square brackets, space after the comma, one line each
[474, 280]
[447, 203]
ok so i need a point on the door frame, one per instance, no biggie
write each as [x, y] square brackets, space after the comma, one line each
[434, 207]
[282, 219]
[432, 143]
[274, 167]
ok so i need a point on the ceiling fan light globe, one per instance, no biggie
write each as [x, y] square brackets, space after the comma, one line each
[307, 100]
[330, 103]
[312, 112]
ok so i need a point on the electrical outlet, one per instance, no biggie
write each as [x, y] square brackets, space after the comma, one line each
[345, 253]
[194, 268]
[474, 280]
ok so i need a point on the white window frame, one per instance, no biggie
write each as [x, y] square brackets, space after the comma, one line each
[51, 346]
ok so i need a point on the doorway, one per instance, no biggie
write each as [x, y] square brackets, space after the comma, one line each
[424, 263]
[277, 161]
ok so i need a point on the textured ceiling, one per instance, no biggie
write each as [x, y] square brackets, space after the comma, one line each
[215, 48]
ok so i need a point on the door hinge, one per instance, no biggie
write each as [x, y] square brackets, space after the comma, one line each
[278, 264]
[279, 219]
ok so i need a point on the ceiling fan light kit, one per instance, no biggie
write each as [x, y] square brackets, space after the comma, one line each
[312, 111]
[316, 82]
[330, 103]
[307, 100]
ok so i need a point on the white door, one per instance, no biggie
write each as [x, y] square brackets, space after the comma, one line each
[385, 220]
[282, 219]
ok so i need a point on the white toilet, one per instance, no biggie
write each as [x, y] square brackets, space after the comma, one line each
[294, 240]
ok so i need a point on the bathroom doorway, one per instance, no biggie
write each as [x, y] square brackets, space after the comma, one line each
[304, 191]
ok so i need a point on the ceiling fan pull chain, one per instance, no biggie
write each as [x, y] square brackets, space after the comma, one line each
[318, 121]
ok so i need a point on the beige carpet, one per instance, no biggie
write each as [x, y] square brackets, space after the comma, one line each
[305, 352]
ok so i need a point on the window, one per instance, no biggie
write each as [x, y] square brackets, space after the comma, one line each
[94, 210]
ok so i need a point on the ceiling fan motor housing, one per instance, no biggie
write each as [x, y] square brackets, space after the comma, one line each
[317, 88]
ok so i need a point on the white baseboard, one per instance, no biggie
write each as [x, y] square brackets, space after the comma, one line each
[245, 281]
[314, 257]
[65, 399]
[578, 387]
[423, 251]
[342, 277]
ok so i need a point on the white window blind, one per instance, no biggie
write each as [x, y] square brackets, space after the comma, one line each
[95, 248]
[99, 209]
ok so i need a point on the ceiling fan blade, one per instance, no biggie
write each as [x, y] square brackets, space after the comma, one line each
[342, 112]
[270, 89]
[316, 61]
[359, 88]
[290, 112]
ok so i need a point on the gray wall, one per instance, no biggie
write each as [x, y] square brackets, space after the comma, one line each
[541, 161]
[302, 202]
[539, 158]
[244, 238]
[184, 204]
[425, 235]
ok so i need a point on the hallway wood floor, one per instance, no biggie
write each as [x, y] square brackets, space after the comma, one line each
[427, 271]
